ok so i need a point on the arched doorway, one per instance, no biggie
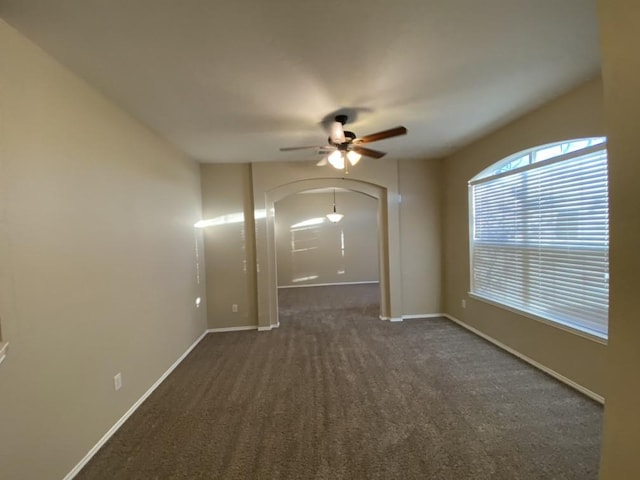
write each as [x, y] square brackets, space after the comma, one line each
[267, 274]
[323, 264]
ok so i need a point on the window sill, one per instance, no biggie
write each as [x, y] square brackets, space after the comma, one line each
[3, 350]
[560, 326]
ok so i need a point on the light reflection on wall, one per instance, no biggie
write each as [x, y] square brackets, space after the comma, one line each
[308, 223]
[197, 252]
[237, 217]
[312, 250]
[342, 270]
[304, 239]
[304, 279]
[304, 235]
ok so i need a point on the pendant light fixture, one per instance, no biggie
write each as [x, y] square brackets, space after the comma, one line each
[334, 217]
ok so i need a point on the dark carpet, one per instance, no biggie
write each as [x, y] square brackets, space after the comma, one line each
[335, 393]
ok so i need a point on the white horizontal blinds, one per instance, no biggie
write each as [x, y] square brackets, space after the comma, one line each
[540, 240]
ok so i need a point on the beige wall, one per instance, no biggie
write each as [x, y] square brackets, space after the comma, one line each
[576, 114]
[619, 28]
[97, 262]
[313, 254]
[230, 245]
[420, 235]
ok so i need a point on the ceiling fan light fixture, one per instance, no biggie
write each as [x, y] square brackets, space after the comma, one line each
[354, 157]
[347, 148]
[336, 159]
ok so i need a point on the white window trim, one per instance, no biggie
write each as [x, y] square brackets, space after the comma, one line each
[484, 177]
[489, 172]
[567, 156]
[554, 323]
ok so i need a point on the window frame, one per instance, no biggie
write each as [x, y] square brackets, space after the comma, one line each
[489, 174]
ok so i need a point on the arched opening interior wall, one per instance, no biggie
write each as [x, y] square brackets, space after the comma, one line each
[311, 250]
[273, 182]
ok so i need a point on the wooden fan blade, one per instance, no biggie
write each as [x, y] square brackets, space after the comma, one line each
[289, 149]
[368, 152]
[374, 137]
[322, 162]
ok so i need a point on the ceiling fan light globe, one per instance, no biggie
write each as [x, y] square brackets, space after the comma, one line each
[354, 157]
[337, 133]
[336, 159]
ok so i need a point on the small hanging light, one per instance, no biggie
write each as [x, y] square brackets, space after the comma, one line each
[334, 217]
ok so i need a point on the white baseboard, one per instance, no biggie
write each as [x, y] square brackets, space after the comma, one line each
[413, 316]
[328, 284]
[530, 361]
[129, 412]
[232, 329]
[270, 327]
[423, 315]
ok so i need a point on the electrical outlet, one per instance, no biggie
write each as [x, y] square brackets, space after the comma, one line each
[117, 381]
[234, 308]
[464, 303]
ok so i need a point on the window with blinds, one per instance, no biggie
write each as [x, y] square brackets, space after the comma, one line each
[539, 234]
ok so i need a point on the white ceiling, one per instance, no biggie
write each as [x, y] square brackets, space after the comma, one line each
[232, 81]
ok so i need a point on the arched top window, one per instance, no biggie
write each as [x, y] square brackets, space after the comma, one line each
[538, 154]
[539, 234]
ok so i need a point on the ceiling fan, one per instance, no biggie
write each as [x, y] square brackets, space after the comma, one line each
[345, 148]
